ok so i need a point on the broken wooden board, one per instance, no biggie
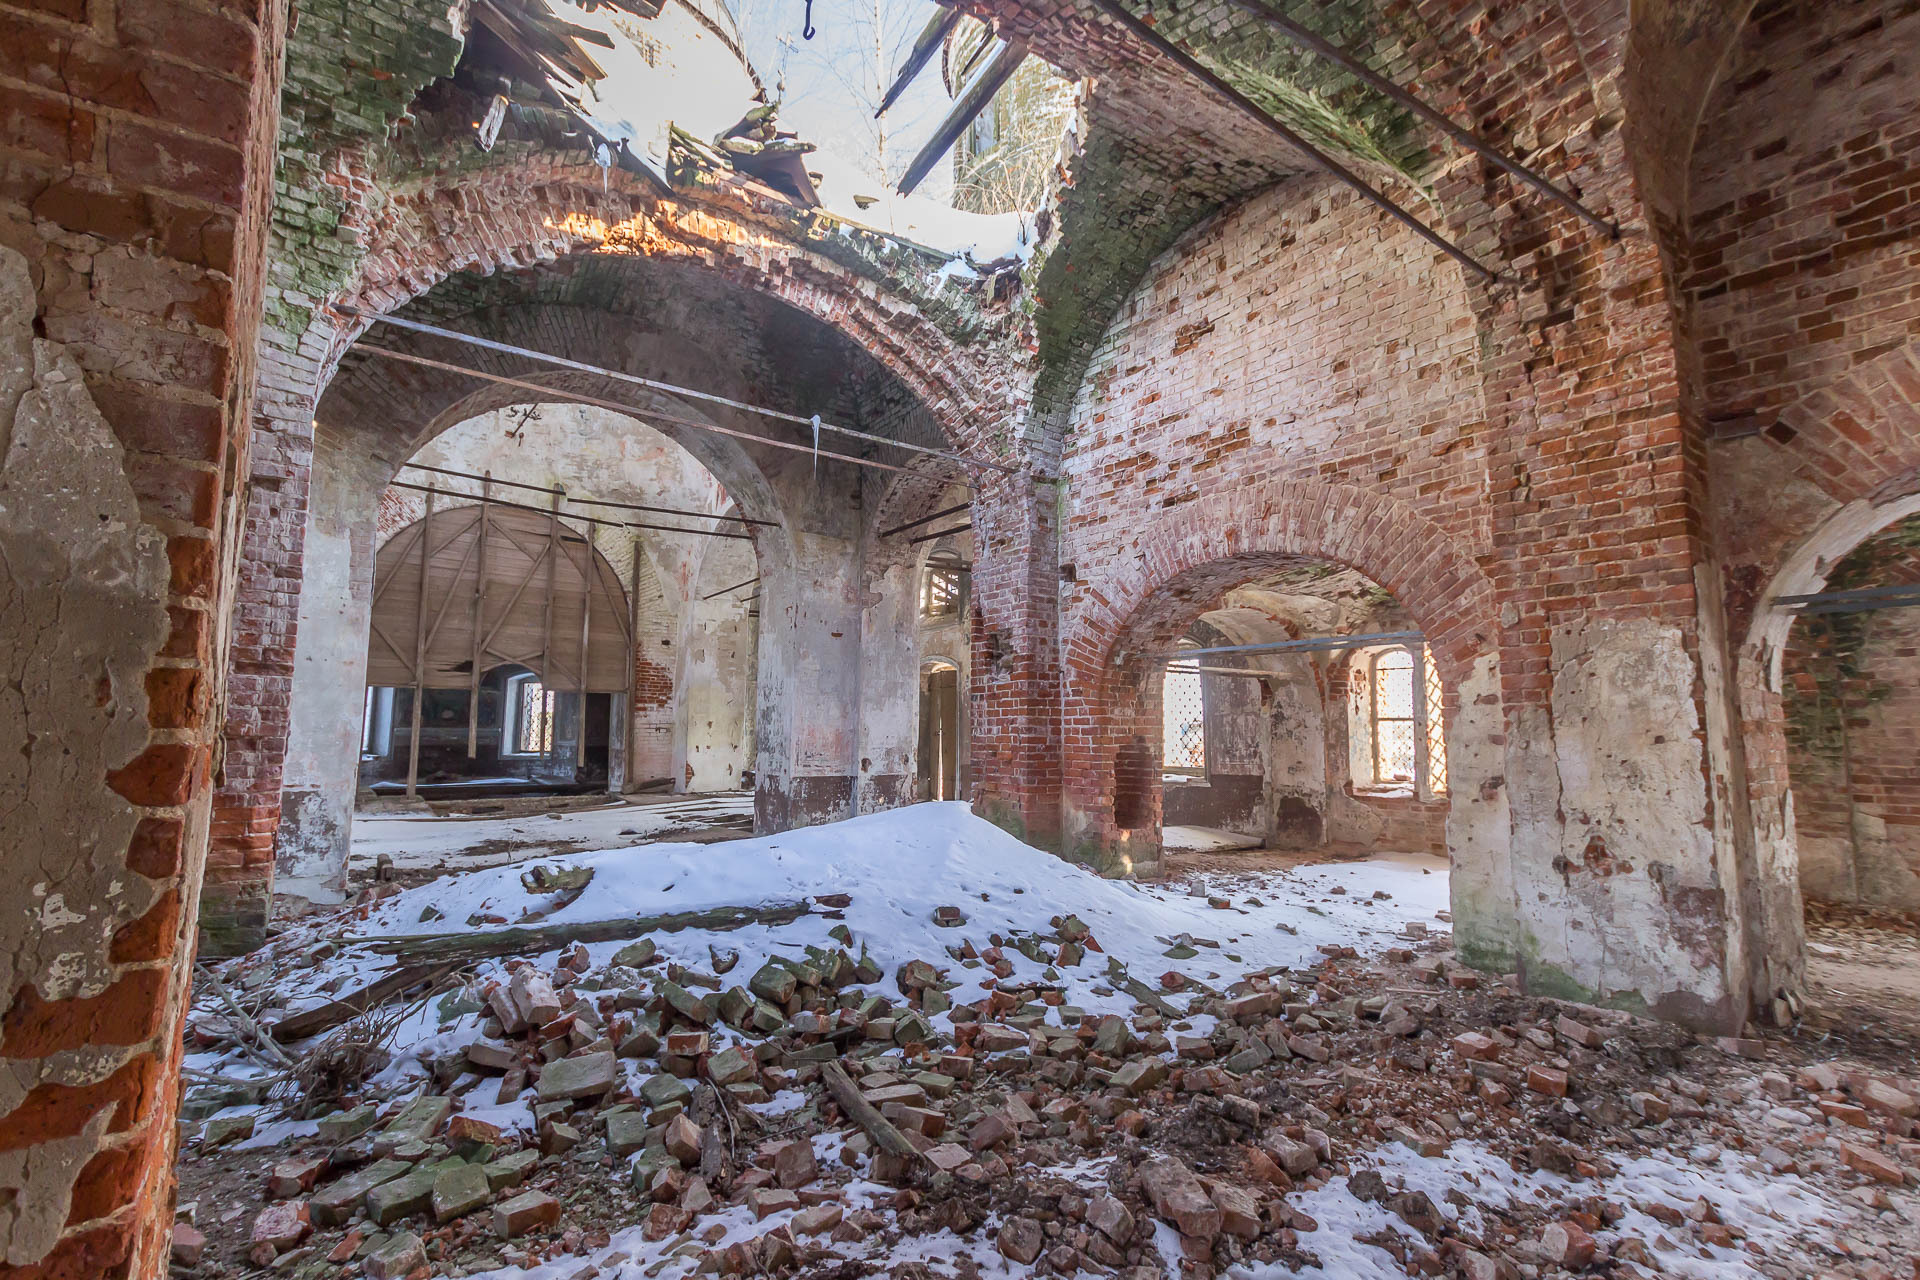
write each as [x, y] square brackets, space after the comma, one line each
[534, 940]
[864, 1113]
[324, 1017]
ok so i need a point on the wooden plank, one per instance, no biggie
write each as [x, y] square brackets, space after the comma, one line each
[474, 945]
[311, 1022]
[419, 653]
[479, 621]
[864, 1113]
[400, 554]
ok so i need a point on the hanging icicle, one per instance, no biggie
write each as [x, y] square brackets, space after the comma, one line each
[816, 446]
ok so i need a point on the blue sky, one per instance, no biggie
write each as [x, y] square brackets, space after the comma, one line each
[830, 81]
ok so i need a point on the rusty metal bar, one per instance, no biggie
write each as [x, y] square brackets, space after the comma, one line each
[915, 524]
[618, 524]
[939, 533]
[1471, 141]
[1207, 76]
[631, 410]
[581, 502]
[654, 384]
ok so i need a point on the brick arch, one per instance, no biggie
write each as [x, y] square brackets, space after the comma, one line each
[1858, 436]
[1780, 965]
[544, 208]
[1214, 543]
[1177, 567]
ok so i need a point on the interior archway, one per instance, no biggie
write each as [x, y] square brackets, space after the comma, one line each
[1831, 692]
[482, 637]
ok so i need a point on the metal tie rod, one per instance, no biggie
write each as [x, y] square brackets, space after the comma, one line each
[652, 416]
[564, 515]
[591, 502]
[1471, 141]
[915, 524]
[735, 587]
[1864, 600]
[507, 348]
[1316, 644]
[1207, 76]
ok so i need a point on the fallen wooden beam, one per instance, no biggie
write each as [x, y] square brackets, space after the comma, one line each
[864, 1113]
[532, 941]
[1118, 975]
[324, 1017]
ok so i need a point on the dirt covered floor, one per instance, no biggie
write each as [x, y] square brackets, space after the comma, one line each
[931, 1052]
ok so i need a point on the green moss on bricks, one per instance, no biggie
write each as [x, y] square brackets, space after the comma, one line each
[1482, 954]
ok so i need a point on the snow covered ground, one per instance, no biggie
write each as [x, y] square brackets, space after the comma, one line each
[428, 842]
[892, 871]
[1203, 840]
[898, 866]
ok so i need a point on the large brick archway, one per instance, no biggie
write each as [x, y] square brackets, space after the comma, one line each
[1119, 615]
[532, 211]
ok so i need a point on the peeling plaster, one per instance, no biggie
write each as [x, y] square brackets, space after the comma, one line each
[83, 592]
[1618, 895]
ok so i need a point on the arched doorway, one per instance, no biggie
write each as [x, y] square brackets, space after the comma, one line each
[1831, 689]
[500, 647]
[1302, 713]
[941, 731]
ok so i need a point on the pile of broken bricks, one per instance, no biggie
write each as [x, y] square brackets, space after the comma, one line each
[1201, 1111]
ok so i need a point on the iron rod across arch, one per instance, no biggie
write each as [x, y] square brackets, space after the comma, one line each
[654, 384]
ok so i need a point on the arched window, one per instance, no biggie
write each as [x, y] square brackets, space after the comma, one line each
[1183, 721]
[526, 722]
[942, 584]
[1397, 733]
[1393, 727]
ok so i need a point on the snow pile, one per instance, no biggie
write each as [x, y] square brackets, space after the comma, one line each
[898, 866]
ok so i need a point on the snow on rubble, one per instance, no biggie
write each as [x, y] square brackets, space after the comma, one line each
[899, 866]
[934, 1052]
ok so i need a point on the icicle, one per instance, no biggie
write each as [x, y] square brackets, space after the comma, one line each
[604, 158]
[816, 446]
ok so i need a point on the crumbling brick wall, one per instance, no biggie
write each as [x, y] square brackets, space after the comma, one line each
[137, 142]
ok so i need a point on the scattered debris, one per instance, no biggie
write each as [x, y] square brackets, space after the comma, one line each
[788, 1105]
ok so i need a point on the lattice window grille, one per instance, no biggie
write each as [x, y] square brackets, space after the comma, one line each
[1393, 718]
[940, 590]
[1436, 730]
[1184, 723]
[533, 725]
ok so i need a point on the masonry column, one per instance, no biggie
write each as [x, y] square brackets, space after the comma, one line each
[327, 680]
[1631, 843]
[138, 143]
[808, 684]
[246, 807]
[1015, 687]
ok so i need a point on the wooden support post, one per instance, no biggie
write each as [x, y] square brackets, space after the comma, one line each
[479, 623]
[546, 645]
[419, 651]
[588, 577]
[633, 665]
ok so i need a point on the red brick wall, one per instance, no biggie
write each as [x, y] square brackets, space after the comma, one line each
[135, 149]
[1805, 203]
[531, 210]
